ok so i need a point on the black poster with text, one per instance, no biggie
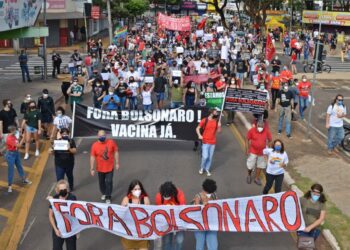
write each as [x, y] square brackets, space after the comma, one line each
[165, 124]
[245, 100]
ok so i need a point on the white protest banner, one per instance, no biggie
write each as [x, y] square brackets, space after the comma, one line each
[220, 29]
[179, 50]
[224, 52]
[149, 79]
[266, 213]
[208, 37]
[60, 145]
[176, 73]
[105, 76]
[199, 33]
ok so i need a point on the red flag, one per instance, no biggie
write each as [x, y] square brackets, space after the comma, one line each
[270, 48]
[201, 25]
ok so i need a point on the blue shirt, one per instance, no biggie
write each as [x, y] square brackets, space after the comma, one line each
[109, 105]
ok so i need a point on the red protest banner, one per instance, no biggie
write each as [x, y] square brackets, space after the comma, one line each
[173, 23]
[265, 213]
[95, 12]
[270, 48]
[201, 78]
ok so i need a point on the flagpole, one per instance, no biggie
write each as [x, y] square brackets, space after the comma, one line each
[73, 120]
[223, 104]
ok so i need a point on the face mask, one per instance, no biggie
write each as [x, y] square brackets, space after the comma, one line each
[285, 88]
[131, 80]
[284, 68]
[315, 197]
[110, 93]
[136, 193]
[304, 80]
[215, 116]
[262, 87]
[45, 95]
[276, 74]
[278, 147]
[63, 193]
[98, 85]
[340, 103]
[167, 198]
[208, 195]
[276, 58]
[28, 98]
[193, 86]
[65, 137]
[59, 115]
[211, 85]
[32, 107]
[102, 138]
[10, 105]
[260, 129]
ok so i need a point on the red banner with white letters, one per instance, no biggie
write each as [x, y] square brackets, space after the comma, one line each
[95, 12]
[173, 23]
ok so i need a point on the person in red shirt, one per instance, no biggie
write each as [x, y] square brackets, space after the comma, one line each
[220, 85]
[257, 139]
[170, 195]
[13, 158]
[149, 66]
[286, 75]
[206, 131]
[304, 88]
[293, 62]
[275, 87]
[105, 154]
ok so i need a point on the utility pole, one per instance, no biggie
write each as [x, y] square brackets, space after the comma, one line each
[109, 22]
[44, 45]
[86, 30]
[291, 16]
[314, 75]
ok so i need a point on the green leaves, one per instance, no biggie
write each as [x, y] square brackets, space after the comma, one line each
[136, 7]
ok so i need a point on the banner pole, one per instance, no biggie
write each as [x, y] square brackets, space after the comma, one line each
[223, 104]
[73, 120]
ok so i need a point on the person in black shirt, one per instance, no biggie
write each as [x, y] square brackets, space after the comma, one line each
[64, 159]
[285, 104]
[99, 91]
[120, 91]
[276, 65]
[8, 117]
[159, 87]
[56, 64]
[46, 106]
[62, 192]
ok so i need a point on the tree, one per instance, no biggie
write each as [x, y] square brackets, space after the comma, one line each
[136, 7]
[218, 9]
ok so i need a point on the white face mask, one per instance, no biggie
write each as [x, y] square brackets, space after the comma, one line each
[111, 93]
[167, 198]
[45, 95]
[260, 129]
[304, 80]
[136, 193]
[208, 195]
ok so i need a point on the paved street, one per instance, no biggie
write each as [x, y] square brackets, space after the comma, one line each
[153, 163]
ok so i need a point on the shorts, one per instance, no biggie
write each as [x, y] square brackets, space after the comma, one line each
[256, 161]
[31, 129]
[160, 96]
[294, 62]
[46, 118]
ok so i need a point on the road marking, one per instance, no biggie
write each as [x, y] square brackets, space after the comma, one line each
[27, 231]
[12, 232]
[5, 212]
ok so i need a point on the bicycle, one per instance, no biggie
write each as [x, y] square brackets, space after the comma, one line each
[322, 67]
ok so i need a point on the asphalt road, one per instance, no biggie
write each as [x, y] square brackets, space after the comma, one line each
[154, 162]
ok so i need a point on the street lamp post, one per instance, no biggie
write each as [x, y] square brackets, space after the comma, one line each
[44, 45]
[314, 74]
[109, 22]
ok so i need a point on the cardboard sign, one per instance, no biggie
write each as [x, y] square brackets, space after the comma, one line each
[208, 37]
[179, 50]
[105, 76]
[149, 79]
[177, 73]
[199, 33]
[61, 145]
[265, 213]
[220, 29]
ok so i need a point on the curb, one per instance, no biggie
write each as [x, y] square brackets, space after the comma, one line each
[289, 181]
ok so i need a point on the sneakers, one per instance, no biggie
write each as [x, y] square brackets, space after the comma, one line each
[26, 156]
[249, 179]
[9, 190]
[208, 173]
[108, 201]
[289, 136]
[103, 197]
[26, 181]
[200, 171]
[257, 182]
[37, 153]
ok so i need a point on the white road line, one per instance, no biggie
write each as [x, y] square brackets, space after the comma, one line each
[27, 230]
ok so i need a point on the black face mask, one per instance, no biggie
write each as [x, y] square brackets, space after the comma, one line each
[63, 193]
[215, 116]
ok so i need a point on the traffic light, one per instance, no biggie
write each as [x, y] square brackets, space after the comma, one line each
[87, 9]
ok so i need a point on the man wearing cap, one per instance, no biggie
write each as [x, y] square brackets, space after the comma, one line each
[46, 106]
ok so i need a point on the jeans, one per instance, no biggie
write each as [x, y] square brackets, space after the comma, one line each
[71, 242]
[13, 159]
[303, 103]
[89, 71]
[270, 178]
[133, 103]
[241, 77]
[68, 171]
[274, 93]
[25, 72]
[72, 71]
[189, 99]
[147, 107]
[335, 136]
[251, 74]
[122, 103]
[173, 242]
[105, 181]
[313, 233]
[175, 105]
[209, 237]
[207, 156]
[285, 112]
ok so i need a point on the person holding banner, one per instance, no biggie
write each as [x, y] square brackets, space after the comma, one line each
[136, 195]
[105, 154]
[277, 160]
[170, 195]
[206, 131]
[202, 198]
[62, 193]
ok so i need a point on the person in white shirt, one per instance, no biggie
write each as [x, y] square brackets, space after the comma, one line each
[147, 96]
[132, 73]
[61, 121]
[277, 160]
[334, 123]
